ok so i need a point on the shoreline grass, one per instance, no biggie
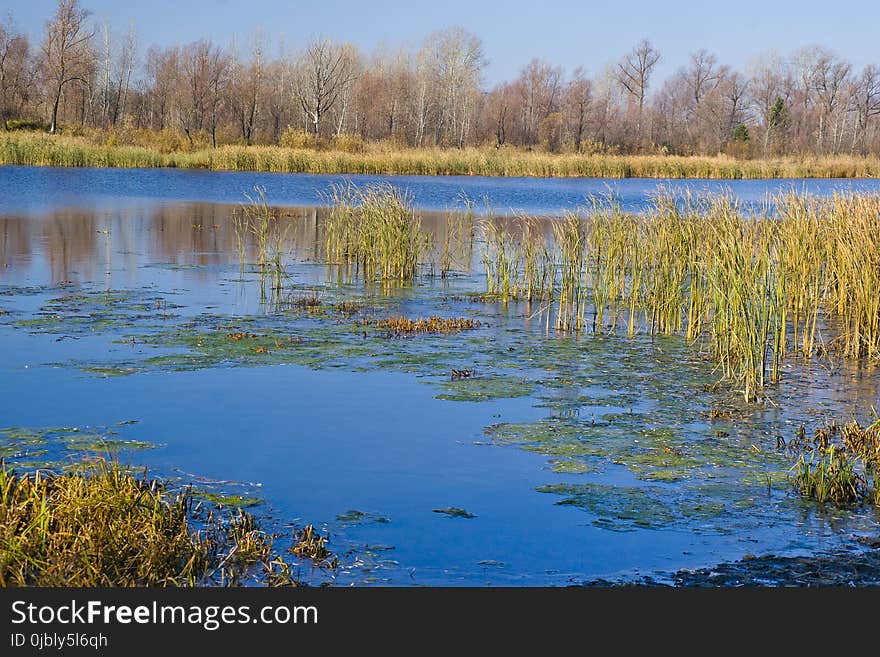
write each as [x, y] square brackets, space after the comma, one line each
[101, 525]
[40, 149]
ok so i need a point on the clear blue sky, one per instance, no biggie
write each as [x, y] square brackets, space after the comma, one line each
[566, 32]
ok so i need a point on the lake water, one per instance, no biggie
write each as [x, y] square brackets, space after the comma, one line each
[117, 289]
[36, 189]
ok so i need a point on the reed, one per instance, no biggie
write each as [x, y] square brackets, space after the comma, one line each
[800, 278]
[375, 230]
[98, 150]
[500, 259]
[571, 244]
[458, 242]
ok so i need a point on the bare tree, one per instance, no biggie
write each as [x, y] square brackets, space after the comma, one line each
[810, 102]
[634, 75]
[247, 84]
[106, 71]
[499, 107]
[578, 103]
[15, 71]
[162, 70]
[125, 67]
[702, 75]
[324, 71]
[423, 98]
[830, 80]
[67, 51]
[770, 85]
[539, 86]
[203, 68]
[346, 92]
[701, 78]
[735, 88]
[277, 97]
[866, 102]
[455, 61]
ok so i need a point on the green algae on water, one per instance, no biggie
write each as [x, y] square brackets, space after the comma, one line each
[481, 388]
[455, 512]
[353, 516]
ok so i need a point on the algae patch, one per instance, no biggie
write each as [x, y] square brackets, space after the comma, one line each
[455, 512]
[478, 389]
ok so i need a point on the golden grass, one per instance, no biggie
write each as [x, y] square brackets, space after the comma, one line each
[103, 526]
[39, 149]
[107, 528]
[434, 324]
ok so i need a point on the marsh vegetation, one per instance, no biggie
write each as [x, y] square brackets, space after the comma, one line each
[801, 279]
[106, 525]
[613, 372]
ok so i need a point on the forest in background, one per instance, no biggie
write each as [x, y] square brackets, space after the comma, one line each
[83, 79]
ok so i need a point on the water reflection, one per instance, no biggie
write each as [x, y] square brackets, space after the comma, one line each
[77, 246]
[53, 188]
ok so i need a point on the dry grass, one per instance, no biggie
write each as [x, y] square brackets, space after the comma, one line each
[99, 150]
[435, 324]
[103, 526]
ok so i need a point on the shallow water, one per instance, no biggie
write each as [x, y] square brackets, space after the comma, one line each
[580, 458]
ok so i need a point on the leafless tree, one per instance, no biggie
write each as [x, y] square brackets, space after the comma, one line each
[247, 82]
[830, 81]
[808, 102]
[342, 110]
[539, 87]
[634, 75]
[277, 94]
[67, 53]
[162, 73]
[203, 68]
[770, 88]
[125, 67]
[454, 61]
[324, 72]
[578, 104]
[16, 72]
[866, 103]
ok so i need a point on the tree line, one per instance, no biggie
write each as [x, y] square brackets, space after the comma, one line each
[80, 74]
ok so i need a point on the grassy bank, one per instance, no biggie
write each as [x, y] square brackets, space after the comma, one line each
[39, 149]
[102, 525]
